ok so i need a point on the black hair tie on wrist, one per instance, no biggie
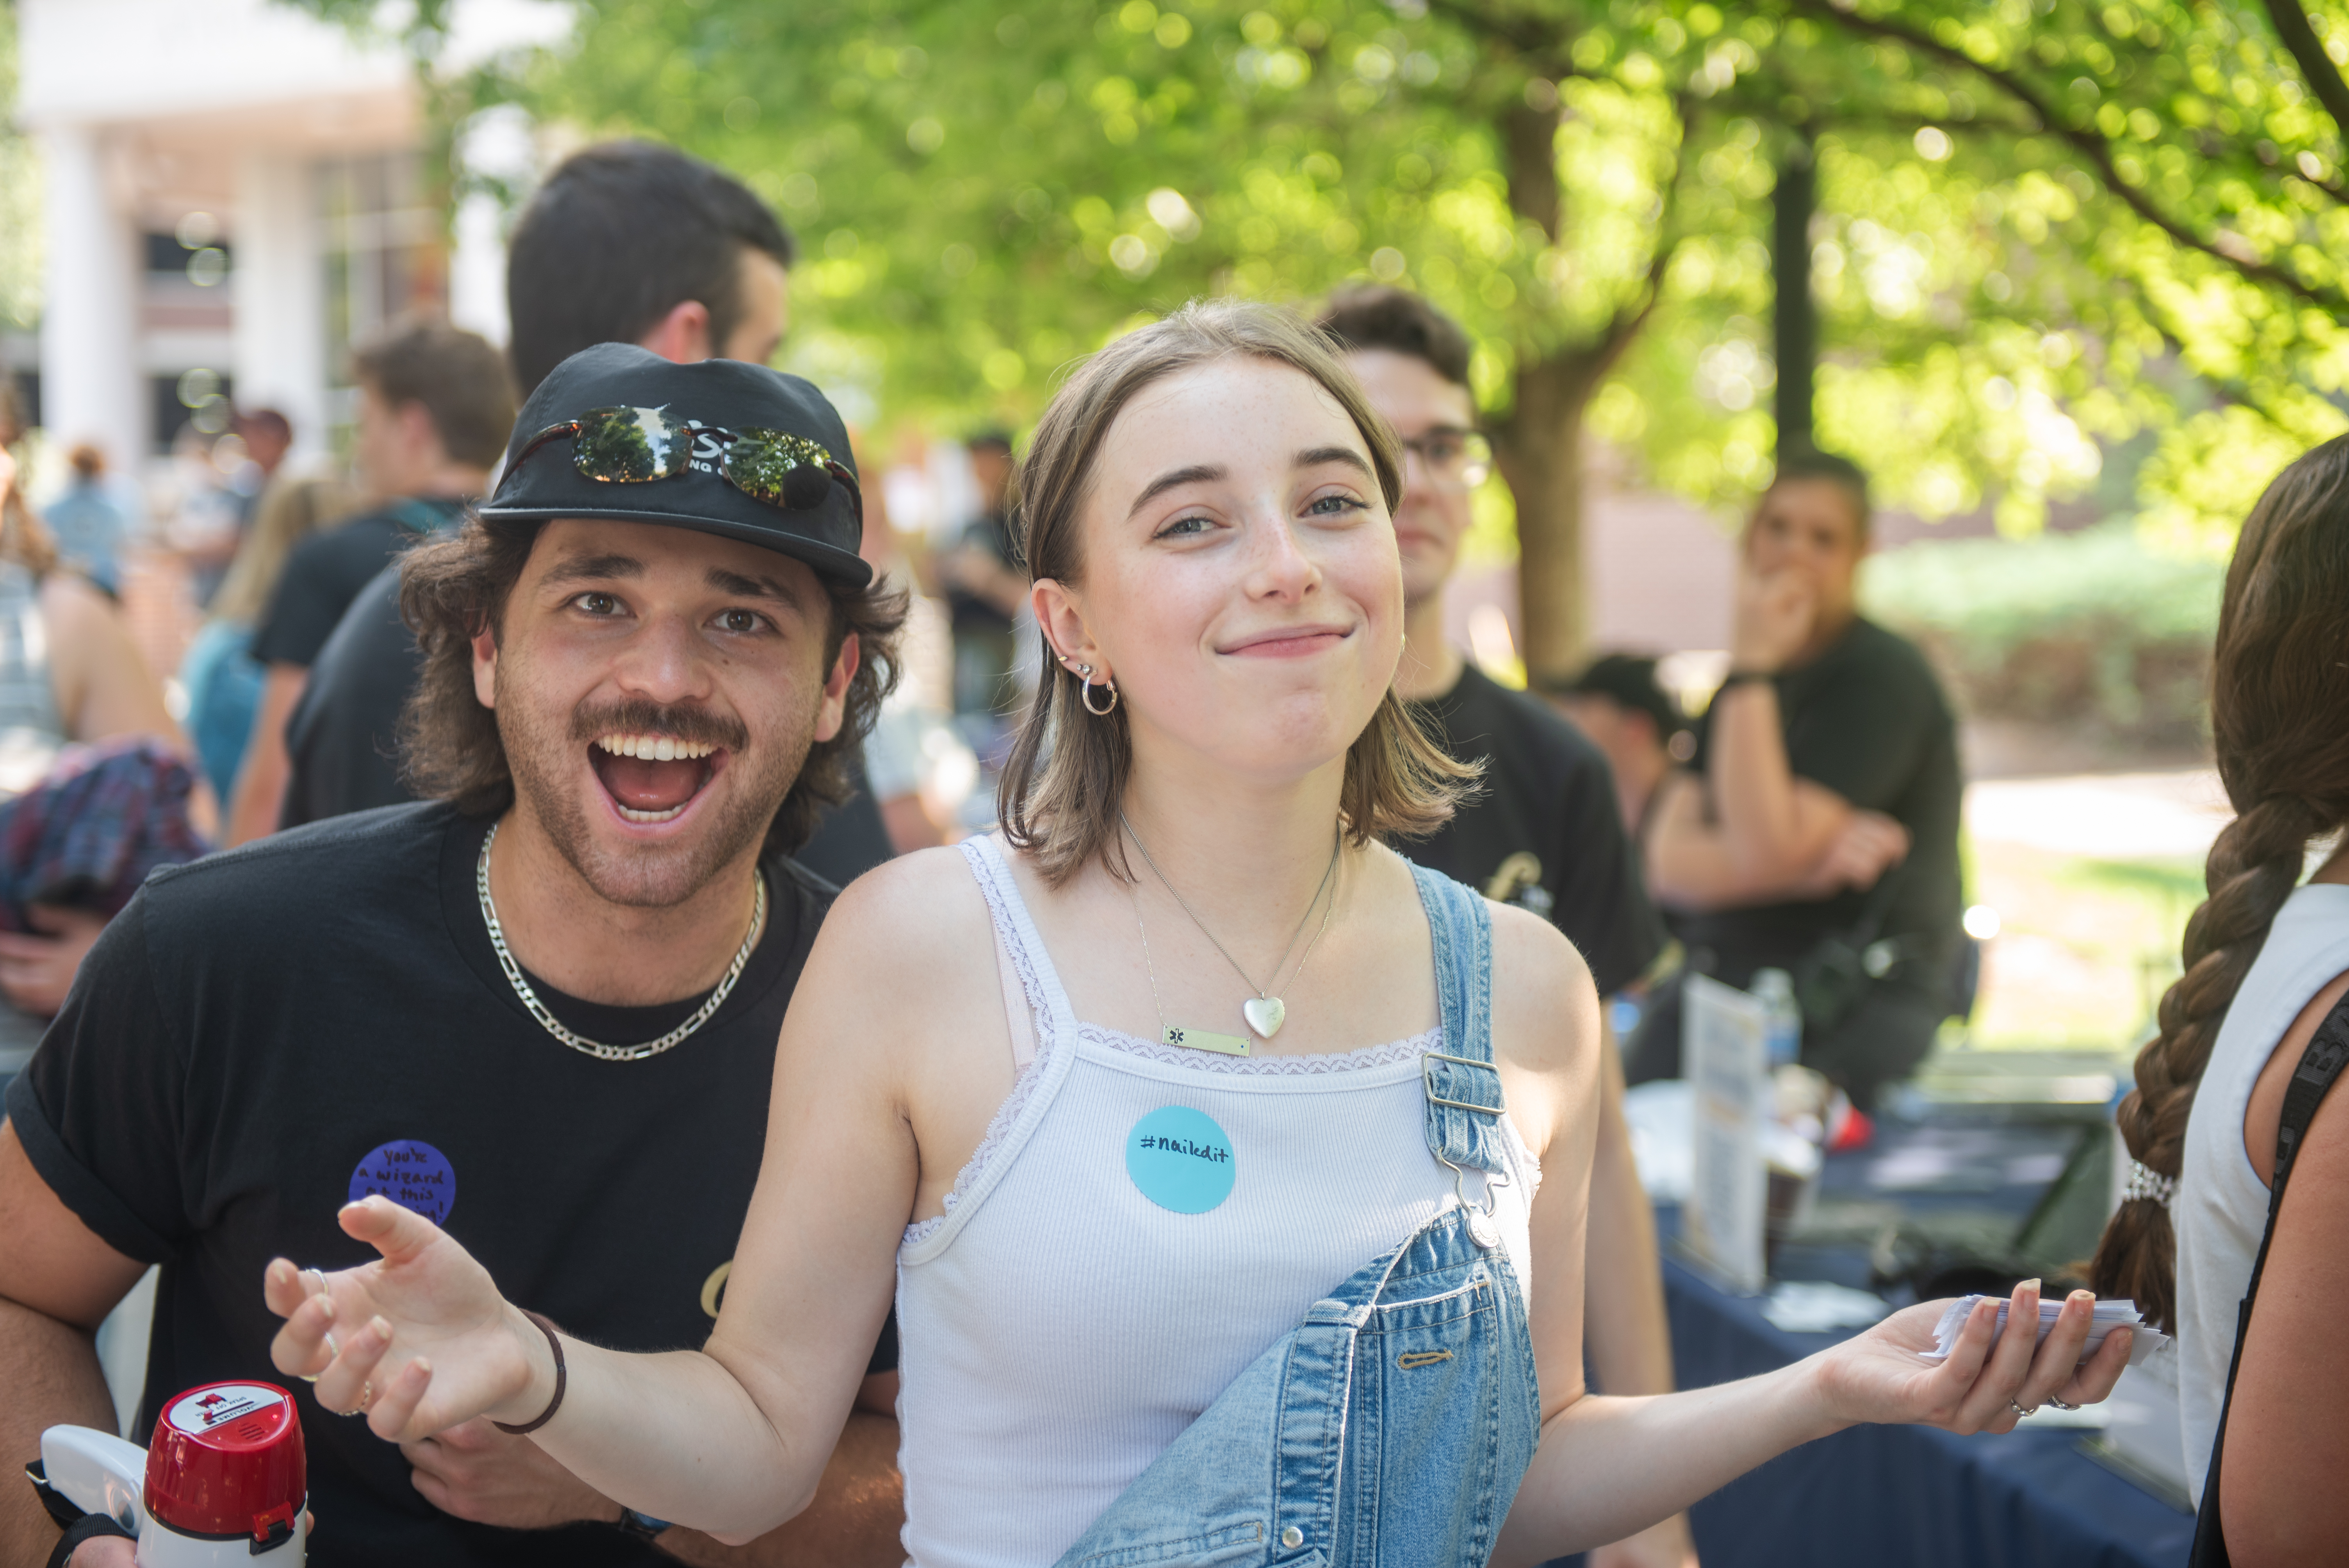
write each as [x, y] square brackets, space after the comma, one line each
[88, 1527]
[562, 1380]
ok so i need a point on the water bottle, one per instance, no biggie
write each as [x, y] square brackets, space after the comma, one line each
[1782, 1028]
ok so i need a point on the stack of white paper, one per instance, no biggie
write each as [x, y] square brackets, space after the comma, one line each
[2110, 1314]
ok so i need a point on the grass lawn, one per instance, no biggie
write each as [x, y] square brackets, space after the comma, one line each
[2084, 948]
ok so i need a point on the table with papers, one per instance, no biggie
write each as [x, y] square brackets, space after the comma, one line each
[1939, 1194]
[1905, 1495]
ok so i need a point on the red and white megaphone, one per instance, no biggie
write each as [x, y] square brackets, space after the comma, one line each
[225, 1480]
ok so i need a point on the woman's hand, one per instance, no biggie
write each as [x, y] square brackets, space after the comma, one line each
[422, 1340]
[1880, 1376]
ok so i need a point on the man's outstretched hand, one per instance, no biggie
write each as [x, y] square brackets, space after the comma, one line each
[420, 1338]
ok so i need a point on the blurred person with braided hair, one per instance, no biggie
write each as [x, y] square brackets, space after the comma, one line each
[2266, 959]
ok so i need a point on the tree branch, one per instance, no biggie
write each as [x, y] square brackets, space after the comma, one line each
[2316, 67]
[2089, 145]
[1624, 326]
[1527, 35]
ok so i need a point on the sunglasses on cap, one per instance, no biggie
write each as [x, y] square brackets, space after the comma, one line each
[636, 446]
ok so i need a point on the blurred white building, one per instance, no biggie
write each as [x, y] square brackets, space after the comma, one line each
[235, 191]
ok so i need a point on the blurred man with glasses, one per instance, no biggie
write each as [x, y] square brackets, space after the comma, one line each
[1544, 833]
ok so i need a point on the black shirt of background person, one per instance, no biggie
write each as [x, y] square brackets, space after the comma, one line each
[1545, 832]
[328, 571]
[1867, 720]
[342, 739]
[258, 1027]
[968, 611]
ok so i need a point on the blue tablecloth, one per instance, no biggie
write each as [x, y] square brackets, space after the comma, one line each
[1910, 1496]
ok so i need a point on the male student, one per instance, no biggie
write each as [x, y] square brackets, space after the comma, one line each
[542, 1006]
[627, 241]
[434, 411]
[1543, 833]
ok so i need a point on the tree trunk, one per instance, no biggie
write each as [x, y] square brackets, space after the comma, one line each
[1794, 313]
[1539, 449]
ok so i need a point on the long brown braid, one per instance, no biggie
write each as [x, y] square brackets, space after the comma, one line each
[2280, 725]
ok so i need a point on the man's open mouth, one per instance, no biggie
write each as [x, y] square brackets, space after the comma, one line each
[653, 778]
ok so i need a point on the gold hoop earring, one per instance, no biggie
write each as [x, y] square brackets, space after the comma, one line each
[1085, 696]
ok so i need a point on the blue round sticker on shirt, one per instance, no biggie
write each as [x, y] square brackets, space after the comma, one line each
[416, 1176]
[1179, 1158]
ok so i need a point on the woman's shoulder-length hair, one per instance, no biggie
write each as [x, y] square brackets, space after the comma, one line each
[1062, 786]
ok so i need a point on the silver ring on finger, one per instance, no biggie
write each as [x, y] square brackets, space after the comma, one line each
[2019, 1410]
[332, 1350]
[367, 1398]
[2060, 1403]
[319, 1275]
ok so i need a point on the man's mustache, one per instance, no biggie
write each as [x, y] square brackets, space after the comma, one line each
[698, 725]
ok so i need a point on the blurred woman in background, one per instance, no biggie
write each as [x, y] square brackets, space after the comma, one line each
[89, 524]
[2266, 960]
[222, 678]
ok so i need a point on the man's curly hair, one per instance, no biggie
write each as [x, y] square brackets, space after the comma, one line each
[451, 589]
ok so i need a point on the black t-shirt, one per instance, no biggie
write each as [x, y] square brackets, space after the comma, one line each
[326, 571]
[1867, 720]
[341, 737]
[966, 611]
[266, 1035]
[1545, 832]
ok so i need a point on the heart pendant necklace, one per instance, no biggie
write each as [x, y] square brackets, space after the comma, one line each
[1264, 1012]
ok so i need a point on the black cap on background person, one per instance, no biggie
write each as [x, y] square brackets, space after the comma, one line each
[1619, 704]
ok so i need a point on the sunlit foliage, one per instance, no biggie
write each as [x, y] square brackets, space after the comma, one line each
[20, 197]
[2064, 246]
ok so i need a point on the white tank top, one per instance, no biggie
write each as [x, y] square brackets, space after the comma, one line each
[1059, 1329]
[2221, 1206]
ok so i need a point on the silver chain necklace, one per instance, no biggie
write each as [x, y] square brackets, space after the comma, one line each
[1266, 1012]
[580, 1043]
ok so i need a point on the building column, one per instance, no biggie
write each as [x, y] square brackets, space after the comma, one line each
[90, 386]
[278, 283]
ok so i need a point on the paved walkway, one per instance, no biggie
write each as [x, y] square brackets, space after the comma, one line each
[2103, 816]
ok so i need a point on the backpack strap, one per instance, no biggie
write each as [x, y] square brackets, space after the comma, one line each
[2320, 1067]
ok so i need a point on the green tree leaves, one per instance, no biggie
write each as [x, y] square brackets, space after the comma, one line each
[2064, 246]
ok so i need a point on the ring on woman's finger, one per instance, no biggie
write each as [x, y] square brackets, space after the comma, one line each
[2020, 1412]
[367, 1398]
[333, 1351]
[305, 1276]
[2060, 1403]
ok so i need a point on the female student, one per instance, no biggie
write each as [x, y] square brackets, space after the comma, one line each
[2266, 961]
[1228, 1175]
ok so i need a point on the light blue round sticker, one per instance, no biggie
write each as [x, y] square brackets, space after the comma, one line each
[1180, 1160]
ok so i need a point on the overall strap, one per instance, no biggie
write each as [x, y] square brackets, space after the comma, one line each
[2320, 1067]
[1463, 1089]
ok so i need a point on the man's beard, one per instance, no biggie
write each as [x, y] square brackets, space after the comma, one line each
[539, 753]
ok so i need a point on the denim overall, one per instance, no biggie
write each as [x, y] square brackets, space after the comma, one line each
[1390, 1427]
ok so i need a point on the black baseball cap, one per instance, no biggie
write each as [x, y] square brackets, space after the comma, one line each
[1629, 681]
[724, 393]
